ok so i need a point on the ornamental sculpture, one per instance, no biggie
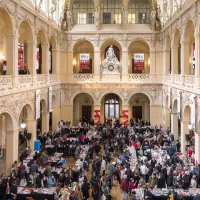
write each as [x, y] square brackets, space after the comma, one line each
[155, 19]
[111, 64]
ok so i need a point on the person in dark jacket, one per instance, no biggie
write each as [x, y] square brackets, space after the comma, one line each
[161, 182]
[85, 190]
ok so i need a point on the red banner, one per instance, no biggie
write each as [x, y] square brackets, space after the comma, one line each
[125, 117]
[84, 61]
[20, 55]
[97, 117]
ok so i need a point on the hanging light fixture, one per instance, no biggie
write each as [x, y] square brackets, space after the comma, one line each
[23, 124]
[190, 127]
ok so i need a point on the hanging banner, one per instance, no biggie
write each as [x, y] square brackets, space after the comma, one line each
[125, 117]
[37, 104]
[179, 104]
[138, 61]
[97, 117]
[193, 55]
[37, 58]
[50, 99]
[193, 111]
[20, 55]
[85, 61]
[49, 60]
[169, 99]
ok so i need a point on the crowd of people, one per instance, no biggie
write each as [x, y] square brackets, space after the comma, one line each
[129, 157]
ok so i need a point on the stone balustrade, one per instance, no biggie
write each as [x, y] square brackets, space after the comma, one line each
[6, 82]
[23, 81]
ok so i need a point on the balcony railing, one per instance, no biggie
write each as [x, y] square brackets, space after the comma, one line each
[41, 79]
[83, 77]
[189, 80]
[6, 82]
[22, 81]
[52, 78]
[177, 79]
[139, 78]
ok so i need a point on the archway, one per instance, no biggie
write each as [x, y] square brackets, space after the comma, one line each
[27, 127]
[83, 57]
[184, 127]
[139, 107]
[42, 52]
[188, 46]
[116, 47]
[6, 43]
[9, 142]
[25, 49]
[176, 53]
[111, 106]
[83, 107]
[139, 57]
[175, 121]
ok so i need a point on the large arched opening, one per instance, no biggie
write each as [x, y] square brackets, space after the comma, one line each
[185, 127]
[189, 49]
[25, 49]
[139, 107]
[83, 57]
[9, 142]
[6, 34]
[83, 107]
[139, 57]
[111, 106]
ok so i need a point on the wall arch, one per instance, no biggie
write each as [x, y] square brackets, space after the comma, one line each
[140, 92]
[79, 92]
[6, 21]
[106, 93]
[110, 41]
[53, 42]
[29, 109]
[42, 38]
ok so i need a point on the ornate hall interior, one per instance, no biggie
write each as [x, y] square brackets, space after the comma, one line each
[68, 59]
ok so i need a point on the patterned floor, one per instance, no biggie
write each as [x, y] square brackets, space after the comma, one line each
[3, 161]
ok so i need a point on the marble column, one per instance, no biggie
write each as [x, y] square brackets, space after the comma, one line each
[2, 131]
[12, 138]
[31, 127]
[166, 62]
[45, 122]
[152, 62]
[67, 113]
[167, 117]
[185, 58]
[97, 61]
[184, 131]
[174, 125]
[55, 61]
[12, 54]
[155, 114]
[55, 117]
[174, 59]
[124, 61]
[45, 59]
[70, 63]
[197, 59]
[197, 147]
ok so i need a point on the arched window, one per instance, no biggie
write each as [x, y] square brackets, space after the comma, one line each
[82, 11]
[111, 12]
[111, 106]
[139, 12]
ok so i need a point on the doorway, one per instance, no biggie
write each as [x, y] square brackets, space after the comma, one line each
[137, 112]
[86, 112]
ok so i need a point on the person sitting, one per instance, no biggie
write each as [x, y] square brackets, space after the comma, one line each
[23, 182]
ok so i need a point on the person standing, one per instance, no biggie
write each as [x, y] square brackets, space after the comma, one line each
[85, 190]
[124, 187]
